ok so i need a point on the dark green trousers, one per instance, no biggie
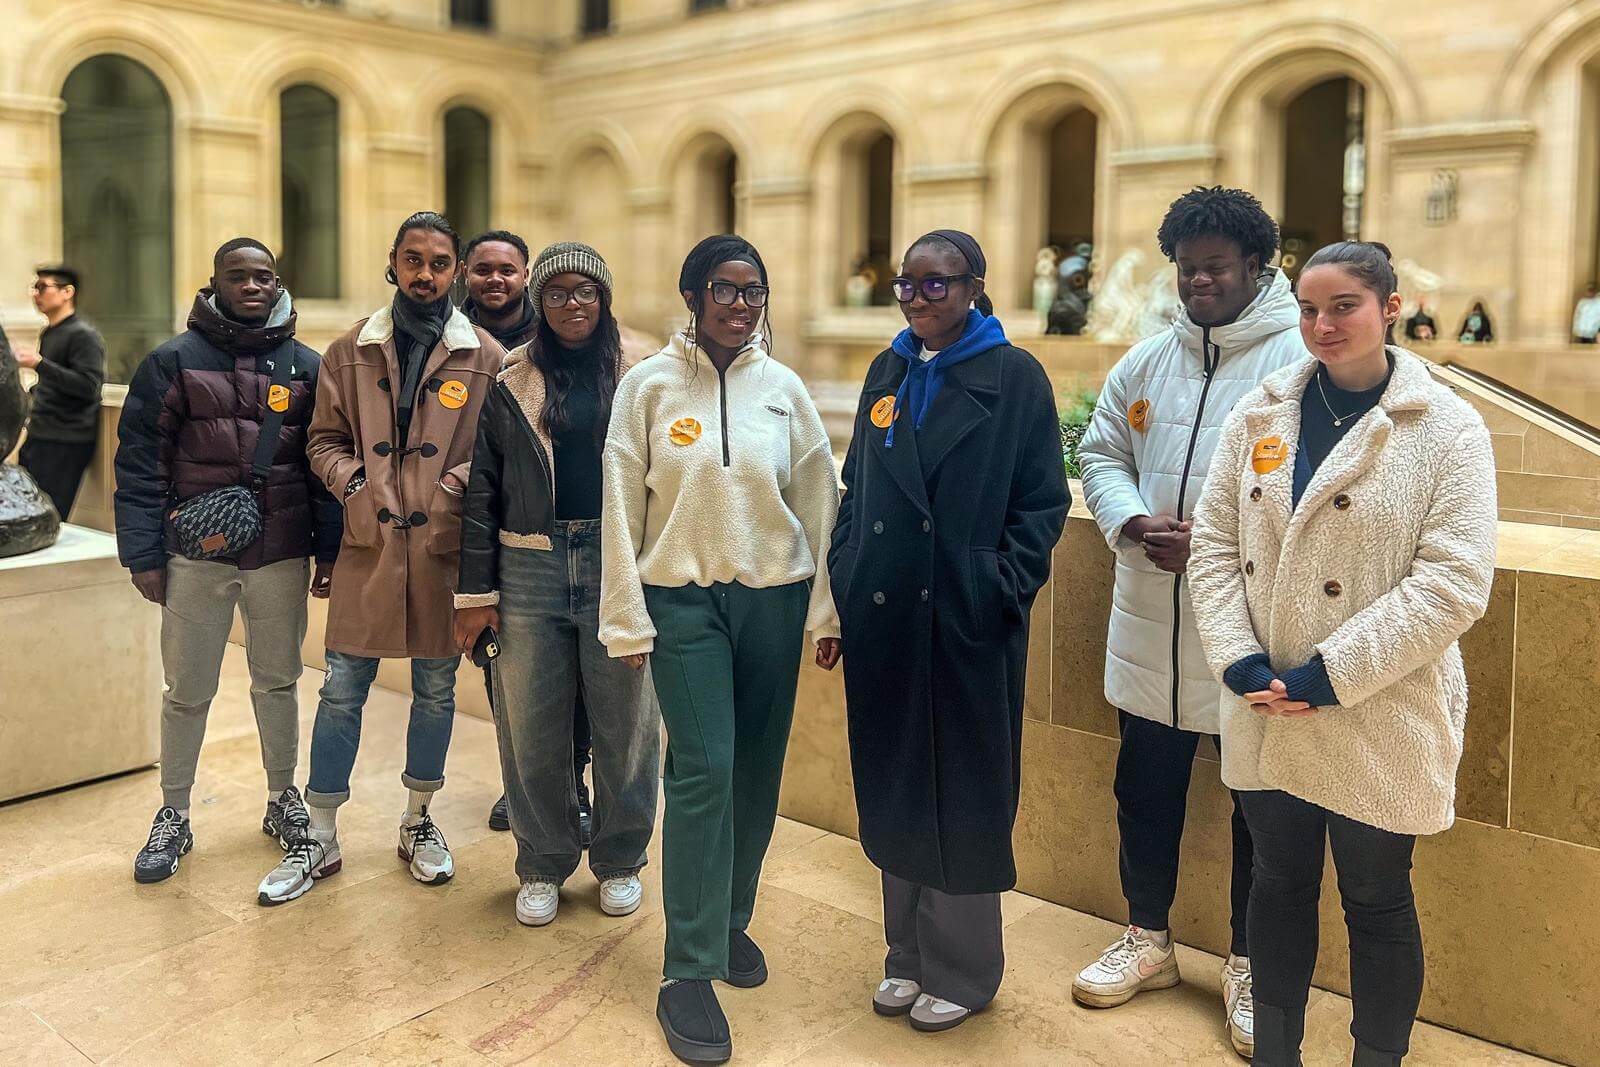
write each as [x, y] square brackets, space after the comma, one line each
[725, 665]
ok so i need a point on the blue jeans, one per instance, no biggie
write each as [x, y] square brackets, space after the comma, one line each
[337, 733]
[549, 647]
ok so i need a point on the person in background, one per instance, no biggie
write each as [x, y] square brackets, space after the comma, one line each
[1421, 326]
[1586, 316]
[71, 366]
[955, 495]
[1344, 541]
[498, 300]
[397, 414]
[1476, 328]
[189, 426]
[1144, 458]
[720, 498]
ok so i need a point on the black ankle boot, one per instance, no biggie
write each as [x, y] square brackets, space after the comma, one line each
[747, 967]
[1367, 1056]
[1278, 1032]
[692, 1020]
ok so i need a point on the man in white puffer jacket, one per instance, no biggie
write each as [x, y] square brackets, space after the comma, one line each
[1144, 458]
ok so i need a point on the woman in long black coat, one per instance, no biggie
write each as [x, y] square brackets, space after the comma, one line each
[955, 495]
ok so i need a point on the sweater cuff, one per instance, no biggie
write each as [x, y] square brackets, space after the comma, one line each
[638, 646]
[1253, 674]
[478, 600]
[1311, 684]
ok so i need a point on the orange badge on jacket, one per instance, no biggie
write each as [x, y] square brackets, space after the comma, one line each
[1267, 456]
[278, 398]
[684, 432]
[1139, 415]
[453, 394]
[883, 412]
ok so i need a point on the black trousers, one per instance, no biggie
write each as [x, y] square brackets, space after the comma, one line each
[1152, 789]
[582, 737]
[1374, 869]
[950, 945]
[58, 467]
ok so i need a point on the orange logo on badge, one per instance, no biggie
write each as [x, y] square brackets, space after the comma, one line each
[883, 413]
[453, 394]
[1139, 415]
[1267, 456]
[684, 432]
[278, 398]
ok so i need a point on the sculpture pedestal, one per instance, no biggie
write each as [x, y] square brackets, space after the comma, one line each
[80, 677]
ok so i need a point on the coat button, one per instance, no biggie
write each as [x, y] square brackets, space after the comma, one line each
[1333, 588]
[877, 527]
[1255, 494]
[926, 526]
[1342, 501]
[924, 596]
[878, 598]
[1249, 567]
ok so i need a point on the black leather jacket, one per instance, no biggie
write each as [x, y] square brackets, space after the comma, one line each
[509, 492]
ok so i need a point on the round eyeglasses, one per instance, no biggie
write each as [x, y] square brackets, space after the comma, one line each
[556, 297]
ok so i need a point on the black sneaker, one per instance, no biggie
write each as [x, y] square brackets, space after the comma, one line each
[286, 818]
[170, 839]
[692, 1020]
[499, 817]
[747, 967]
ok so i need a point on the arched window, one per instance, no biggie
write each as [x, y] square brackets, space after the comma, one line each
[467, 169]
[116, 204]
[594, 16]
[308, 122]
[869, 212]
[1324, 170]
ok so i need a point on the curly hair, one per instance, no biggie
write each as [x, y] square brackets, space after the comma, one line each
[1231, 213]
[502, 236]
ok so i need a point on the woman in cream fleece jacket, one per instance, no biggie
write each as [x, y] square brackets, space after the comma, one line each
[1344, 541]
[720, 499]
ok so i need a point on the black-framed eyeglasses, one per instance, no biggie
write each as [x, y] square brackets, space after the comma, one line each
[41, 285]
[725, 293]
[557, 297]
[934, 288]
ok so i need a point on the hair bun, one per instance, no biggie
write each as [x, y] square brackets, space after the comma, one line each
[1380, 246]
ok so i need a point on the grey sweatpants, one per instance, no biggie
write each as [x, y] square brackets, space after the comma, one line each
[950, 945]
[194, 634]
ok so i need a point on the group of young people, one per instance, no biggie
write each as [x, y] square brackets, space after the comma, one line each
[1298, 511]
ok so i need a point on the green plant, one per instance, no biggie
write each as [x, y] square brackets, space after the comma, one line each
[1077, 408]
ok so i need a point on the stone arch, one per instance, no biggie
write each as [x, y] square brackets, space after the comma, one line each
[1102, 95]
[857, 164]
[605, 136]
[1573, 31]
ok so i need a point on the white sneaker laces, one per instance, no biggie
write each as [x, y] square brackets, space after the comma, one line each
[1123, 953]
[163, 832]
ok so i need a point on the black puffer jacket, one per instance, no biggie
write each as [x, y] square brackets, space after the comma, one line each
[190, 425]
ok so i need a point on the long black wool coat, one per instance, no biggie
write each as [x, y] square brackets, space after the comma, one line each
[943, 541]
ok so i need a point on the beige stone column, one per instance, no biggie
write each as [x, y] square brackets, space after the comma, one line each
[777, 221]
[647, 283]
[950, 197]
[30, 202]
[1144, 183]
[229, 153]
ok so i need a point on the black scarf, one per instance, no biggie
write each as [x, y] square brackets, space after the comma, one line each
[417, 328]
[512, 336]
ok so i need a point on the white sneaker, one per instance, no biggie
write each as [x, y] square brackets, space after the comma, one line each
[1133, 964]
[621, 896]
[423, 848]
[1240, 1005]
[895, 996]
[308, 859]
[537, 903]
[930, 1014]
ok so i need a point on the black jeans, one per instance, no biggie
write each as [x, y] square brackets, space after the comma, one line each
[1374, 870]
[1152, 789]
[58, 467]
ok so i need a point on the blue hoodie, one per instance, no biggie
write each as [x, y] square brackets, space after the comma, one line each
[923, 380]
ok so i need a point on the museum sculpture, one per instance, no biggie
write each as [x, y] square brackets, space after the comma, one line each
[28, 521]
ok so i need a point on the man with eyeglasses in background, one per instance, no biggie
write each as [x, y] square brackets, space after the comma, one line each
[71, 365]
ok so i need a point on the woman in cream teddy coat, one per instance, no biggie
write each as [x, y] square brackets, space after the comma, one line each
[1344, 541]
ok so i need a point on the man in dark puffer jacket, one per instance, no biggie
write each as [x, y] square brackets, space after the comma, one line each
[190, 425]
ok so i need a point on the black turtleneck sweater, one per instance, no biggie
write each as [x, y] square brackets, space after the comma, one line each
[578, 445]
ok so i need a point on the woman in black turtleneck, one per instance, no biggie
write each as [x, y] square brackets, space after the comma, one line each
[530, 567]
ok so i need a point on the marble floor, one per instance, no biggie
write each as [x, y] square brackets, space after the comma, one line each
[371, 967]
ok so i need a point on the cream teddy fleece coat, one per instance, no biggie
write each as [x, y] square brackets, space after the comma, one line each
[713, 478]
[1387, 560]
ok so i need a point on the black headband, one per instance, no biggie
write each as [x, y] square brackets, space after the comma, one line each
[964, 243]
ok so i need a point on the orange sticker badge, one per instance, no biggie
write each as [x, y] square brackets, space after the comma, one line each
[1267, 456]
[278, 398]
[883, 412]
[453, 394]
[1139, 415]
[684, 432]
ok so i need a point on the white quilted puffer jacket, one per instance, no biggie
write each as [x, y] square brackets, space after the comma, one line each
[1387, 560]
[1146, 452]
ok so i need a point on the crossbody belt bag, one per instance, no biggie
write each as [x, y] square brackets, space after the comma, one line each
[226, 521]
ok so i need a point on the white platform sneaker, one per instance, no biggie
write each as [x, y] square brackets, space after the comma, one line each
[1131, 965]
[621, 896]
[1240, 1005]
[537, 903]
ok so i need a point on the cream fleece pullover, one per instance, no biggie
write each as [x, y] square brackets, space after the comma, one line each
[713, 478]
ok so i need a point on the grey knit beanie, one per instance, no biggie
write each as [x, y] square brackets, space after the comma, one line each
[562, 258]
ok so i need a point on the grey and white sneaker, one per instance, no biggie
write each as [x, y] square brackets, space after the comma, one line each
[423, 849]
[1239, 1003]
[307, 860]
[537, 903]
[895, 996]
[286, 818]
[621, 896]
[931, 1015]
[169, 841]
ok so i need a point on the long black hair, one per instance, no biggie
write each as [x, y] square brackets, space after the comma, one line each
[423, 220]
[598, 361]
[703, 259]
